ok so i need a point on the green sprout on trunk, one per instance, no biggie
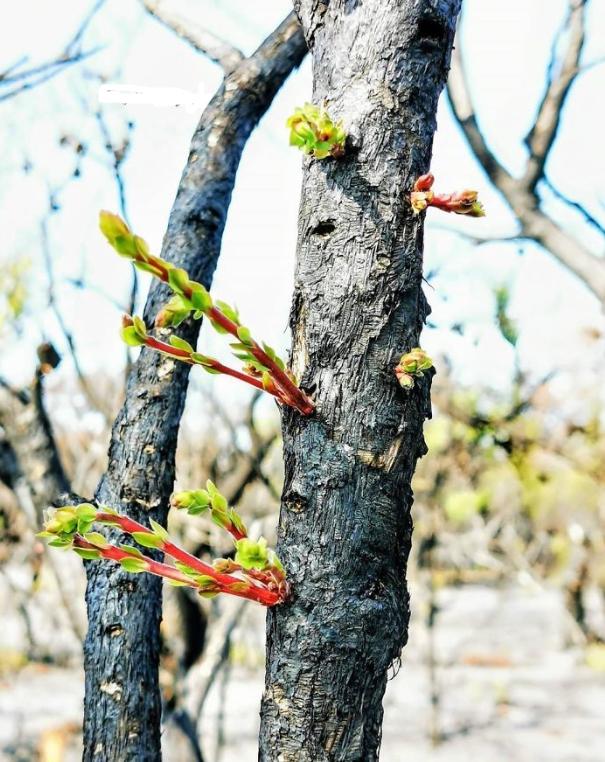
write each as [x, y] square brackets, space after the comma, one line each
[411, 366]
[313, 131]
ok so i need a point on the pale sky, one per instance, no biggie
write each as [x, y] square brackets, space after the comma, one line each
[506, 48]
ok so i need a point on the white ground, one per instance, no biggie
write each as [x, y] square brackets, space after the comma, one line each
[510, 690]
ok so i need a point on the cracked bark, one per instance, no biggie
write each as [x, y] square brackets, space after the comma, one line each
[345, 523]
[122, 700]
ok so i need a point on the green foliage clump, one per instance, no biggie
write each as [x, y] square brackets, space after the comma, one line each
[13, 292]
[506, 325]
[313, 131]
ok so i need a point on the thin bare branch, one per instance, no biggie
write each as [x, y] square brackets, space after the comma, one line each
[247, 466]
[48, 71]
[544, 131]
[538, 226]
[580, 208]
[85, 23]
[202, 675]
[22, 81]
[44, 68]
[464, 113]
[67, 334]
[118, 154]
[19, 62]
[216, 49]
[521, 194]
[475, 239]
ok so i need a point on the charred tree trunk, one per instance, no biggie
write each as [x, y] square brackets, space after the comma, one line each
[122, 702]
[345, 524]
[29, 433]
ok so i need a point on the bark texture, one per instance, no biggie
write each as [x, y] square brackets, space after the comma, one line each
[28, 430]
[345, 524]
[122, 701]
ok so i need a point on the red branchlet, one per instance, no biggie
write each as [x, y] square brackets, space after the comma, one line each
[285, 389]
[280, 386]
[181, 354]
[463, 202]
[112, 553]
[267, 595]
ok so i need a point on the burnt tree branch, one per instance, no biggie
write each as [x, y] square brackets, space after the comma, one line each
[28, 430]
[122, 700]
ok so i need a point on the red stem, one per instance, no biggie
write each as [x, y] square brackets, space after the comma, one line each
[442, 201]
[259, 594]
[292, 395]
[254, 593]
[153, 567]
[163, 346]
[181, 354]
[155, 262]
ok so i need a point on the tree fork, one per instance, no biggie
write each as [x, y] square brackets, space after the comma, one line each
[345, 522]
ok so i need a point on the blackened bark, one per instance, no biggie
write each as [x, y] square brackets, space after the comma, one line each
[122, 701]
[345, 524]
[10, 472]
[28, 430]
[32, 464]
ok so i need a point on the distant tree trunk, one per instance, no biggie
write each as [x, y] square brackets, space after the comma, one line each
[32, 445]
[122, 704]
[345, 524]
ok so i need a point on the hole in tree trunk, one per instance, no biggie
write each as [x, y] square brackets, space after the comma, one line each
[431, 34]
[323, 229]
[430, 28]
